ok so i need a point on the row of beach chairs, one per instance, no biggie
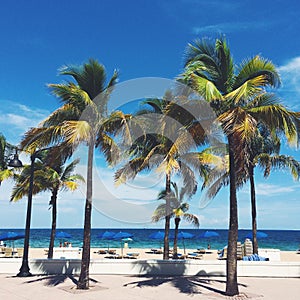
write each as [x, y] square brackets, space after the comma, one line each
[10, 252]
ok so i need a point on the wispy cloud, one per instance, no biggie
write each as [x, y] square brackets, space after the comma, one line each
[16, 118]
[290, 75]
[264, 189]
[230, 27]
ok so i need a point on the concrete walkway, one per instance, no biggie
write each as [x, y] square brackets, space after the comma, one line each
[145, 287]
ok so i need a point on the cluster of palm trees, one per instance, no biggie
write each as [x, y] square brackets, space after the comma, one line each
[169, 136]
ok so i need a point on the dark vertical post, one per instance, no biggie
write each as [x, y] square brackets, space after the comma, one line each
[24, 270]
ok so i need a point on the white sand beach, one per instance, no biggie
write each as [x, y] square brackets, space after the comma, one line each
[287, 256]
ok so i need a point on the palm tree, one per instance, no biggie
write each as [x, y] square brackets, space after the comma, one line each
[179, 210]
[166, 146]
[239, 98]
[264, 152]
[6, 150]
[60, 178]
[83, 118]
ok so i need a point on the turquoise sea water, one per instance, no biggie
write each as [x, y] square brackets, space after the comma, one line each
[280, 239]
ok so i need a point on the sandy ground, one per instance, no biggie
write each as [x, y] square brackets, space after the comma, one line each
[145, 254]
[150, 288]
[147, 287]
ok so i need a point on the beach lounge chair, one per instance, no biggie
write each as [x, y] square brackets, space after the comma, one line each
[20, 252]
[239, 254]
[102, 251]
[132, 255]
[201, 250]
[113, 256]
[112, 251]
[194, 255]
[156, 251]
[8, 252]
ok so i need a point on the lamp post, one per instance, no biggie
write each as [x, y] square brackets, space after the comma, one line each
[15, 162]
[24, 270]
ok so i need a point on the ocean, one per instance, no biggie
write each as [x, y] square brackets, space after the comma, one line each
[287, 240]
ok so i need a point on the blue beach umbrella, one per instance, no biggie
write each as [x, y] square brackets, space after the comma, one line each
[259, 235]
[106, 235]
[122, 235]
[209, 234]
[158, 235]
[63, 235]
[182, 235]
[11, 236]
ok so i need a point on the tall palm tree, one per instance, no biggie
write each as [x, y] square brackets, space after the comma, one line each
[264, 152]
[179, 210]
[239, 98]
[83, 118]
[60, 178]
[166, 146]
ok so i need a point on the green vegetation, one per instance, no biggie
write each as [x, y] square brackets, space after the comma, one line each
[168, 137]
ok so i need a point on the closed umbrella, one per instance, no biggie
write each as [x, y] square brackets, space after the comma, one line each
[11, 236]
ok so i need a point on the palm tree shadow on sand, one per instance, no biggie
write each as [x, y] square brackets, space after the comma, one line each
[159, 274]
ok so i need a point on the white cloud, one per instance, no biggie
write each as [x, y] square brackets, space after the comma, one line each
[290, 75]
[271, 189]
[228, 27]
[16, 119]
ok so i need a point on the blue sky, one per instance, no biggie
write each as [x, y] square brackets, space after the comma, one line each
[140, 39]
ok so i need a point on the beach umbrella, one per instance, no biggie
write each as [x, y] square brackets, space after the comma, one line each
[11, 236]
[127, 240]
[158, 235]
[106, 235]
[209, 234]
[122, 235]
[62, 236]
[182, 235]
[259, 235]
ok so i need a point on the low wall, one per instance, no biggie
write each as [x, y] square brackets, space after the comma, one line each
[153, 267]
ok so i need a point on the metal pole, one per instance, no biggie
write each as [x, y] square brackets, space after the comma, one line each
[24, 270]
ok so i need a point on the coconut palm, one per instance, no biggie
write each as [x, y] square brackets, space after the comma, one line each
[50, 175]
[83, 118]
[6, 151]
[239, 98]
[166, 146]
[179, 210]
[264, 152]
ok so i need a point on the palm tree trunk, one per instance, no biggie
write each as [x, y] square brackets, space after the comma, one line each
[54, 216]
[167, 218]
[83, 282]
[231, 262]
[177, 221]
[253, 211]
